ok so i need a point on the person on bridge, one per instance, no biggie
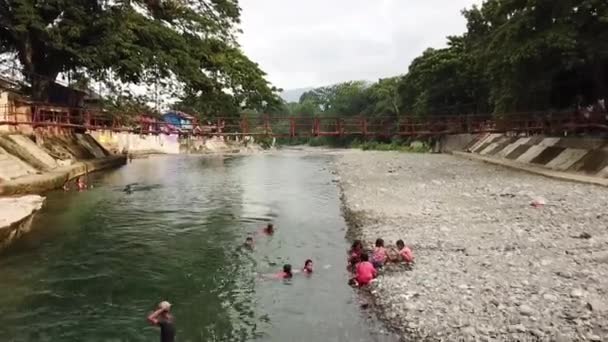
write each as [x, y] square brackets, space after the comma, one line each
[163, 319]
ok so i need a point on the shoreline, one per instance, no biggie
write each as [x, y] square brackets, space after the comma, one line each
[46, 181]
[489, 267]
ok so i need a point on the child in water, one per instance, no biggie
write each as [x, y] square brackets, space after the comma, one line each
[269, 229]
[307, 267]
[286, 274]
[354, 255]
[365, 272]
[81, 184]
[379, 256]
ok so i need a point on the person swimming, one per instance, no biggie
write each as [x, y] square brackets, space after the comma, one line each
[128, 189]
[269, 229]
[307, 267]
[248, 244]
[286, 274]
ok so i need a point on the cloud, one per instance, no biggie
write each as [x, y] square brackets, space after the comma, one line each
[320, 42]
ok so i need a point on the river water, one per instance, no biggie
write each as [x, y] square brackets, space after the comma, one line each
[97, 262]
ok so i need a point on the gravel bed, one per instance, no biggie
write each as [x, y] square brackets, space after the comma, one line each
[489, 266]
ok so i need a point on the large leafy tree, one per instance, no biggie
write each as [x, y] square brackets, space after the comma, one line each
[540, 54]
[190, 42]
[443, 81]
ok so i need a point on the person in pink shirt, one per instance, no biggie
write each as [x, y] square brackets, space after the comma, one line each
[379, 256]
[405, 253]
[365, 271]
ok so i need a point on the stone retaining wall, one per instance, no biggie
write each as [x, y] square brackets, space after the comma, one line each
[580, 155]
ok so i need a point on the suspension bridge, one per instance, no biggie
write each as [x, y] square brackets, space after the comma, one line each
[549, 123]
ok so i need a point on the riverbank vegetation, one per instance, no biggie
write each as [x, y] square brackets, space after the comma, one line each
[174, 49]
[515, 56]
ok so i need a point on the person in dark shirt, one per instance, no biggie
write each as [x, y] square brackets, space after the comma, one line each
[162, 318]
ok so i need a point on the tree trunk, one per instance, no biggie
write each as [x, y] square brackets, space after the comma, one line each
[36, 69]
[599, 79]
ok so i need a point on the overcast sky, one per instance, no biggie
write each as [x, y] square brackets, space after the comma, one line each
[321, 42]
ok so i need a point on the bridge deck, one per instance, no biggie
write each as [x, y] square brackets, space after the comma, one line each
[293, 127]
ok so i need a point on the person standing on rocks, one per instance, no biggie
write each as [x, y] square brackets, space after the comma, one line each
[163, 319]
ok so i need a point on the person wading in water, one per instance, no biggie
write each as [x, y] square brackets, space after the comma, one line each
[163, 318]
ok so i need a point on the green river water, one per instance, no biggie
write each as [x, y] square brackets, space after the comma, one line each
[97, 262]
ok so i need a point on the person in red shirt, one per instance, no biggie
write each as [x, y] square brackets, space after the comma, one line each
[365, 271]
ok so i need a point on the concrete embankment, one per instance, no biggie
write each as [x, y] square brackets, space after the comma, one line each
[132, 143]
[489, 266]
[34, 164]
[38, 163]
[581, 159]
[16, 214]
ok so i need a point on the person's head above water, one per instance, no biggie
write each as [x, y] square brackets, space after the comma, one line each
[357, 246]
[287, 271]
[308, 266]
[270, 227]
[379, 243]
[249, 241]
[400, 244]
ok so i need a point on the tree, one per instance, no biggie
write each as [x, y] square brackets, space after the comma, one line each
[535, 50]
[443, 81]
[383, 97]
[190, 42]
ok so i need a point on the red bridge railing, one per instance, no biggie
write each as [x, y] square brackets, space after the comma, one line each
[45, 115]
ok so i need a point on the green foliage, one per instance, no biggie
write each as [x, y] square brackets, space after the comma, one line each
[515, 56]
[189, 43]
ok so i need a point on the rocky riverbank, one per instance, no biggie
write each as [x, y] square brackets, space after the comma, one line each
[489, 265]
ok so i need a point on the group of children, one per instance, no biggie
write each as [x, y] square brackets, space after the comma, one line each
[288, 271]
[365, 269]
[363, 265]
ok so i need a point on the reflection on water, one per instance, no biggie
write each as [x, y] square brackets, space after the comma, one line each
[98, 261]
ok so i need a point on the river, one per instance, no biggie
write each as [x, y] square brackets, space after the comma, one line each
[97, 262]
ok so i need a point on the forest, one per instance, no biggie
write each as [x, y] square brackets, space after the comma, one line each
[515, 56]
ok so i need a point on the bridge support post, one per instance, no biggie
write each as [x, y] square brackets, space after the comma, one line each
[292, 127]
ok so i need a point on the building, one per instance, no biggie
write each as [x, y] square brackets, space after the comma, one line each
[182, 121]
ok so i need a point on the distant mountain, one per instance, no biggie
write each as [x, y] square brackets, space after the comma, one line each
[293, 95]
